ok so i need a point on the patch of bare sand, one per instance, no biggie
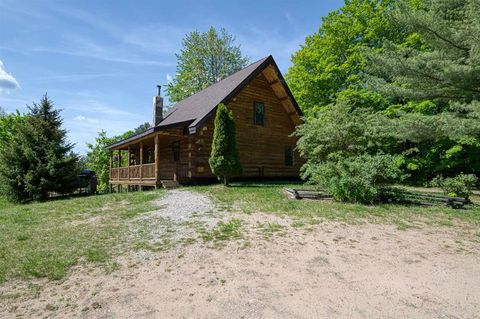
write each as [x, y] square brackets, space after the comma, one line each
[333, 271]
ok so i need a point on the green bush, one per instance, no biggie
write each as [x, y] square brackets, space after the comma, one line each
[358, 179]
[224, 159]
[460, 185]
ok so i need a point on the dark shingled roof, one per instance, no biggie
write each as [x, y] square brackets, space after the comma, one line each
[197, 108]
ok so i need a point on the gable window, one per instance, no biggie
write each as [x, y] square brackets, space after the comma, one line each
[288, 155]
[259, 113]
[176, 151]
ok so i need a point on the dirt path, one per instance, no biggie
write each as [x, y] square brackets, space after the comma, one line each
[330, 270]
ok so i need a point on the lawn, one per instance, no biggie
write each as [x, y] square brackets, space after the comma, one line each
[46, 239]
[269, 198]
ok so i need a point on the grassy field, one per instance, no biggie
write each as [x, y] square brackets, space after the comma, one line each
[47, 239]
[268, 198]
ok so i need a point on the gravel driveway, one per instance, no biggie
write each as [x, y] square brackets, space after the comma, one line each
[180, 215]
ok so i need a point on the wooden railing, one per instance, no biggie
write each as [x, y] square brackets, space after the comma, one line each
[144, 171]
[148, 170]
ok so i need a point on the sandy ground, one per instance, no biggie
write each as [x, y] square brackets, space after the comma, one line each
[330, 271]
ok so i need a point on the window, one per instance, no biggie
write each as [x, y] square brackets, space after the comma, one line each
[258, 113]
[288, 155]
[176, 151]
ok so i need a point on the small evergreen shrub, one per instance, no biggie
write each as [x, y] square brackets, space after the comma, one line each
[224, 159]
[358, 179]
[460, 185]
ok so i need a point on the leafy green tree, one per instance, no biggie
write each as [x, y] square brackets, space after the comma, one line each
[332, 60]
[38, 160]
[205, 58]
[98, 159]
[8, 125]
[224, 160]
[141, 128]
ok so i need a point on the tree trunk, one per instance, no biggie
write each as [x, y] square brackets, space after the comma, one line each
[225, 181]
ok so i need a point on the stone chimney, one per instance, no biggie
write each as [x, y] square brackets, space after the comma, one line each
[157, 107]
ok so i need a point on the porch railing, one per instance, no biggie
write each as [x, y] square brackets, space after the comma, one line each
[144, 171]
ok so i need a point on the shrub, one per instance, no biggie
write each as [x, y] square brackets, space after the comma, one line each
[360, 179]
[460, 185]
[224, 159]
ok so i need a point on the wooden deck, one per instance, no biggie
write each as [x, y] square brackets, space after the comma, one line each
[134, 175]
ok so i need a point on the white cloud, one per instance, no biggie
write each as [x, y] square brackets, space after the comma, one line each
[7, 81]
[169, 78]
[156, 38]
[82, 118]
[88, 117]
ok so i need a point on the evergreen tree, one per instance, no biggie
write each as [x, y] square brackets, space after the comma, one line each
[38, 160]
[224, 160]
[435, 75]
[205, 58]
[440, 61]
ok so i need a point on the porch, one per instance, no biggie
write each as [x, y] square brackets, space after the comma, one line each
[153, 160]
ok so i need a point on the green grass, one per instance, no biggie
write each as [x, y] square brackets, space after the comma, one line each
[47, 239]
[224, 231]
[269, 198]
[270, 229]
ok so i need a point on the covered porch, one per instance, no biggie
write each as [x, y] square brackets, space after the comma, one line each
[148, 160]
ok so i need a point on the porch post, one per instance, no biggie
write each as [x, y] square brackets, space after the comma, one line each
[141, 161]
[128, 161]
[110, 155]
[128, 166]
[157, 160]
[119, 163]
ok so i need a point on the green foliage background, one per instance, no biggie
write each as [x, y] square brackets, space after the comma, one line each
[392, 77]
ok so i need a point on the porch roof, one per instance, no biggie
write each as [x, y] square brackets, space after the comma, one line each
[145, 134]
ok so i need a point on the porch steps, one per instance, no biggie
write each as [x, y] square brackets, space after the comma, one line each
[169, 183]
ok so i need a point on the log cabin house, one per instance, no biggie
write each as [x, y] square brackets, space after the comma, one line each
[177, 146]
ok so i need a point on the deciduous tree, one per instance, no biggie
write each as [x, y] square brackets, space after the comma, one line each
[205, 58]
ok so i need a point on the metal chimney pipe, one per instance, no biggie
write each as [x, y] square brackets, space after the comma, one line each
[159, 90]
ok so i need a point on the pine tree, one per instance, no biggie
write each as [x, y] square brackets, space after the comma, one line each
[224, 160]
[441, 58]
[39, 160]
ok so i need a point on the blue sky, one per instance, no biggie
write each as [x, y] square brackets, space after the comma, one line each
[101, 60]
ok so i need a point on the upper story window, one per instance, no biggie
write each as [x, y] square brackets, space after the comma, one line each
[259, 113]
[288, 155]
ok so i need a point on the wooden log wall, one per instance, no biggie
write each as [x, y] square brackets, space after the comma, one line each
[261, 148]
